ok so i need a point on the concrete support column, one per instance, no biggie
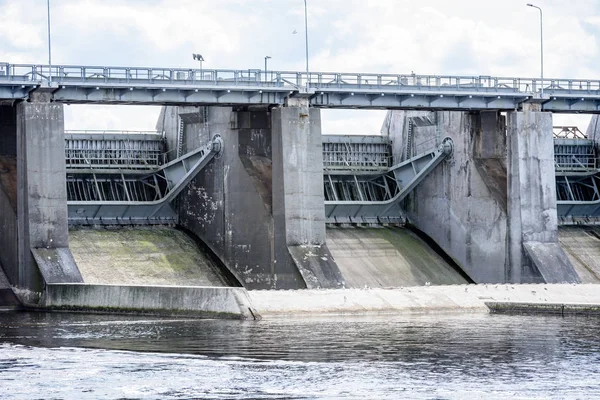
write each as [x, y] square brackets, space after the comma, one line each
[533, 249]
[298, 199]
[298, 173]
[42, 196]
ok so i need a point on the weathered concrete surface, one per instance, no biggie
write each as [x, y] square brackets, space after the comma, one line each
[454, 205]
[9, 256]
[259, 206]
[489, 154]
[207, 302]
[8, 192]
[582, 245]
[142, 256]
[8, 129]
[41, 194]
[57, 265]
[387, 257]
[448, 298]
[544, 308]
[593, 130]
[7, 296]
[534, 253]
[298, 209]
[229, 205]
[317, 266]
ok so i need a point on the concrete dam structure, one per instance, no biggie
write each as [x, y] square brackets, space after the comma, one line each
[251, 195]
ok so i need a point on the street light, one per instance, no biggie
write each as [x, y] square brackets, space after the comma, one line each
[199, 58]
[49, 47]
[541, 45]
[266, 58]
[306, 41]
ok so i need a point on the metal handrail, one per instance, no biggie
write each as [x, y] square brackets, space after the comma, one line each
[70, 74]
[109, 132]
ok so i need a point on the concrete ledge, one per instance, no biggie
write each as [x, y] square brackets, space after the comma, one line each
[538, 308]
[201, 302]
[451, 298]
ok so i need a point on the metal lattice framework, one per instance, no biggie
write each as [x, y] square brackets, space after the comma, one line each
[577, 176]
[114, 150]
[356, 153]
[152, 85]
[574, 155]
[357, 198]
[113, 197]
[567, 132]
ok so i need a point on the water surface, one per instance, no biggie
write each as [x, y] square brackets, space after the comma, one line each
[430, 356]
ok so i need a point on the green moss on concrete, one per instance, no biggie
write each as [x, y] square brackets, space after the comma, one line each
[388, 257]
[149, 256]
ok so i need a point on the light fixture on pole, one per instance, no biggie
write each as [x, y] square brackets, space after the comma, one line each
[541, 45]
[266, 58]
[306, 41]
[49, 47]
[200, 59]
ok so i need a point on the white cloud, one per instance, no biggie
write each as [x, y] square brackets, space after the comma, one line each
[386, 36]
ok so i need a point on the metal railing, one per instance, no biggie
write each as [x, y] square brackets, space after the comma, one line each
[64, 74]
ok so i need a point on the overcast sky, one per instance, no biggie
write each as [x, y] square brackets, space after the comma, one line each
[462, 37]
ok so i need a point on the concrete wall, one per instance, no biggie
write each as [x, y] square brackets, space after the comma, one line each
[492, 205]
[593, 130]
[8, 193]
[454, 205]
[209, 302]
[8, 130]
[259, 205]
[298, 207]
[228, 205]
[42, 195]
[534, 252]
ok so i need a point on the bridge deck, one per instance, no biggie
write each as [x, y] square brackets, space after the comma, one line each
[148, 85]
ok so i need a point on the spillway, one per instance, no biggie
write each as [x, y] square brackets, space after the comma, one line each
[142, 256]
[582, 246]
[388, 257]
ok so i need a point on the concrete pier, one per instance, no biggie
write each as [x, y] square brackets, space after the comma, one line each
[33, 217]
[454, 205]
[42, 220]
[259, 206]
[298, 209]
[492, 206]
[534, 252]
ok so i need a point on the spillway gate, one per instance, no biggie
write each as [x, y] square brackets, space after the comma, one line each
[122, 177]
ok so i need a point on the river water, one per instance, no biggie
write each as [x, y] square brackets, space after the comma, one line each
[429, 356]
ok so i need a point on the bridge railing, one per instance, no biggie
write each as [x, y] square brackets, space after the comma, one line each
[65, 74]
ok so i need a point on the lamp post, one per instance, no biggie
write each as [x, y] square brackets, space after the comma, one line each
[541, 45]
[200, 59]
[306, 41]
[266, 58]
[49, 47]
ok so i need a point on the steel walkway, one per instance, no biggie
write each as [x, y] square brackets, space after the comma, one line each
[150, 85]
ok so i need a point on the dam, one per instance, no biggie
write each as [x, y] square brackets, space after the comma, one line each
[238, 190]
